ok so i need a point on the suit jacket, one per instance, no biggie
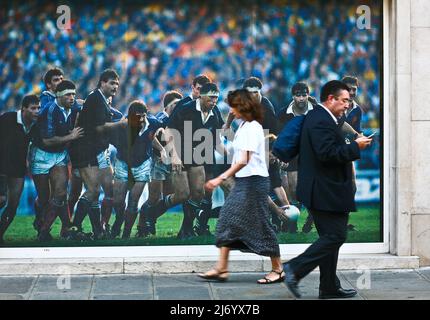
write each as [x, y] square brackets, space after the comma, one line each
[325, 165]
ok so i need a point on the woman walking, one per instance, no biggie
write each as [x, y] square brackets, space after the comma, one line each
[244, 221]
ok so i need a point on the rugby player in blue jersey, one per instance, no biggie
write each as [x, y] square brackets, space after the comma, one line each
[49, 158]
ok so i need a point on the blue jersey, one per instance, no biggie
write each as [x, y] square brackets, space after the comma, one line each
[353, 117]
[53, 121]
[116, 114]
[137, 152]
[46, 99]
[163, 117]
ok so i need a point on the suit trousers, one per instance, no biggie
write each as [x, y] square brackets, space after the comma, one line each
[324, 252]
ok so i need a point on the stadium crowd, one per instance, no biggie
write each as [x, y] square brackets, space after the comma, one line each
[159, 47]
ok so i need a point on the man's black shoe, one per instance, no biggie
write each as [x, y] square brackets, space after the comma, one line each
[291, 281]
[338, 294]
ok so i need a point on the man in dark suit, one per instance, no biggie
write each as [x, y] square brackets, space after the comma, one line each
[325, 187]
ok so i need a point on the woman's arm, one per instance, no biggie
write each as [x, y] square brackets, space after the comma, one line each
[243, 160]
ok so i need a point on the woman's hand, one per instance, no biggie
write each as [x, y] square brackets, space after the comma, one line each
[212, 184]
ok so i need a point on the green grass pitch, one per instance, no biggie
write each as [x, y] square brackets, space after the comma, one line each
[367, 223]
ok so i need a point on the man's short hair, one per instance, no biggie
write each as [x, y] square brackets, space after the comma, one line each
[350, 80]
[108, 74]
[332, 88]
[51, 73]
[137, 106]
[201, 80]
[239, 83]
[299, 87]
[65, 85]
[170, 96]
[29, 100]
[208, 88]
[252, 82]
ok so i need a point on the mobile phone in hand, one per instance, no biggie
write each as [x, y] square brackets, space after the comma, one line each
[371, 135]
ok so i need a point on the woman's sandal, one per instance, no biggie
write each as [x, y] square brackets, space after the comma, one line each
[266, 280]
[215, 277]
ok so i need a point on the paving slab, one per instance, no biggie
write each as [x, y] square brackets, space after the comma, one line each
[394, 295]
[181, 280]
[124, 297]
[272, 292]
[122, 284]
[11, 297]
[183, 293]
[394, 280]
[59, 296]
[16, 285]
[72, 284]
[425, 272]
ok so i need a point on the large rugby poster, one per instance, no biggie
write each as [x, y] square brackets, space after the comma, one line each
[288, 48]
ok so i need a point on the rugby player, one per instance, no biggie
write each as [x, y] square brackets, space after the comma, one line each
[90, 153]
[49, 158]
[132, 165]
[14, 132]
[166, 189]
[192, 157]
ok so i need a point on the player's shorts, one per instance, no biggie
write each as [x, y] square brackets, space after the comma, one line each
[103, 159]
[42, 161]
[160, 171]
[141, 173]
[103, 162]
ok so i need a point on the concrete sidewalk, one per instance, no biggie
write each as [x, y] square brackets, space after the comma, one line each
[411, 284]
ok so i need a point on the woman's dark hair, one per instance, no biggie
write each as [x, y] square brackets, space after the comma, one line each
[248, 107]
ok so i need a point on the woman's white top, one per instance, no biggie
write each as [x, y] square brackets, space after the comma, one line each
[250, 137]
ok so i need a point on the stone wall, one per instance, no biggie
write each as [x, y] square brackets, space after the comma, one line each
[411, 162]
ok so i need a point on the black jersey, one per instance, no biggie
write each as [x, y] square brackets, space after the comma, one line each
[269, 121]
[187, 121]
[95, 112]
[14, 143]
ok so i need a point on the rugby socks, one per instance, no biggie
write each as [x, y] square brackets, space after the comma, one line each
[38, 215]
[142, 217]
[95, 215]
[5, 221]
[62, 209]
[50, 215]
[191, 208]
[130, 218]
[161, 207]
[203, 216]
[82, 208]
[106, 210]
[119, 219]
